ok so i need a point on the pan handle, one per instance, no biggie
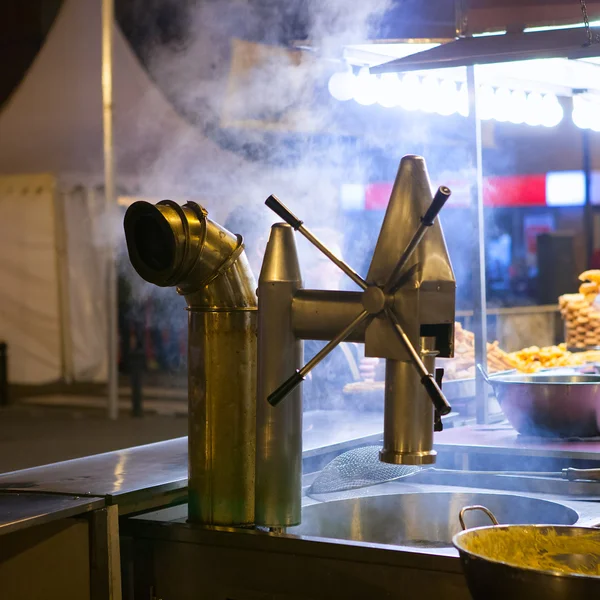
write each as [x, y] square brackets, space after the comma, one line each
[487, 511]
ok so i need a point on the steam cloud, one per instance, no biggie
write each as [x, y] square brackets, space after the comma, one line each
[223, 82]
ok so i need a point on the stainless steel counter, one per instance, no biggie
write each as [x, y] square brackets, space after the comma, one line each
[181, 561]
[18, 511]
[136, 479]
[145, 477]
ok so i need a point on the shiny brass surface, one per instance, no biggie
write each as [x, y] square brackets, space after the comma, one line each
[408, 412]
[374, 300]
[278, 429]
[172, 245]
[322, 314]
[409, 294]
[426, 296]
[222, 416]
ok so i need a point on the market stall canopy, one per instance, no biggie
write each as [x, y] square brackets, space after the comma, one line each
[528, 30]
[508, 47]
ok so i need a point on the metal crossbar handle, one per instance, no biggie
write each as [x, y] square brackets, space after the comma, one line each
[298, 377]
[427, 221]
[288, 216]
[427, 379]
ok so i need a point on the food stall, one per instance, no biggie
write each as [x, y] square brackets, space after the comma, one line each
[263, 500]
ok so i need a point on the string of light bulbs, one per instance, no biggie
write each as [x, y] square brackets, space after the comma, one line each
[431, 94]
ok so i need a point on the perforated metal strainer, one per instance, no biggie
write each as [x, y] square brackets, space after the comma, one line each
[358, 468]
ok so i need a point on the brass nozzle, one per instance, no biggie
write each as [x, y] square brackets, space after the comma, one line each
[173, 245]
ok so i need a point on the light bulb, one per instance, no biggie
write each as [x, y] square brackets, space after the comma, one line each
[389, 90]
[580, 118]
[552, 112]
[533, 114]
[412, 92]
[341, 85]
[486, 102]
[581, 113]
[365, 91]
[448, 100]
[518, 107]
[430, 94]
[594, 116]
[502, 105]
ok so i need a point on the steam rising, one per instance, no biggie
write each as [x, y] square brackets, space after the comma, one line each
[233, 71]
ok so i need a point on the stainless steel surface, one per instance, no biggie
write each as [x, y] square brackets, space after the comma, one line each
[222, 416]
[421, 520]
[172, 245]
[468, 51]
[504, 562]
[20, 510]
[278, 429]
[550, 405]
[523, 483]
[137, 478]
[321, 314]
[505, 441]
[183, 562]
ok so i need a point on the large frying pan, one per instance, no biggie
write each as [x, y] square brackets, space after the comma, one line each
[549, 405]
[524, 562]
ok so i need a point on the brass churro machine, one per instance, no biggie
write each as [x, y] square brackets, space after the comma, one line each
[245, 446]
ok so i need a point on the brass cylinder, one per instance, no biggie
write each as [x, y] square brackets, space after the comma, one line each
[408, 412]
[222, 384]
[172, 245]
[322, 314]
[278, 428]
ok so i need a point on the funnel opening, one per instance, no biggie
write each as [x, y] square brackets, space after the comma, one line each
[151, 243]
[154, 248]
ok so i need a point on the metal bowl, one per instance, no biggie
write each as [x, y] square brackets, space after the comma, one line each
[550, 405]
[521, 562]
[421, 520]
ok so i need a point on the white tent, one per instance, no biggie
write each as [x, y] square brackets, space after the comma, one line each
[52, 231]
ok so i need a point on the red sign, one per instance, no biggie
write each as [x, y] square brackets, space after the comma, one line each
[516, 190]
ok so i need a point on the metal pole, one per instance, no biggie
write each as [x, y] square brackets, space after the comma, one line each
[588, 214]
[3, 374]
[478, 256]
[110, 195]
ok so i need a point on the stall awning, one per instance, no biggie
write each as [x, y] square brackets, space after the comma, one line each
[508, 47]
